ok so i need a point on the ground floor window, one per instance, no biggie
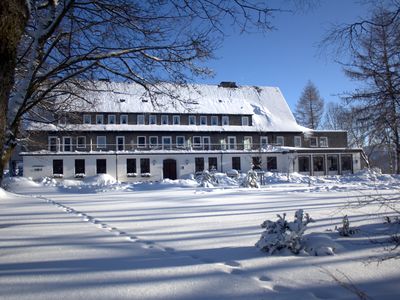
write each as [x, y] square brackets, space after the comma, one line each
[79, 166]
[199, 164]
[318, 163]
[145, 165]
[272, 163]
[304, 163]
[101, 166]
[332, 162]
[212, 164]
[256, 161]
[58, 167]
[347, 163]
[236, 163]
[131, 166]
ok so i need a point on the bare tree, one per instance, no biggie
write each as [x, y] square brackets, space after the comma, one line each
[67, 43]
[310, 107]
[374, 61]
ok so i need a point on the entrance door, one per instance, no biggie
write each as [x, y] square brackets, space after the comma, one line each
[169, 169]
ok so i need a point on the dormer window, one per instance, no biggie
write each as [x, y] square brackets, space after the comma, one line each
[152, 119]
[203, 120]
[176, 120]
[225, 120]
[111, 119]
[87, 119]
[214, 120]
[99, 119]
[164, 120]
[245, 121]
[123, 119]
[192, 120]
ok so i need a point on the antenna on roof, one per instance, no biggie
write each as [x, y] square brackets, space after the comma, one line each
[228, 84]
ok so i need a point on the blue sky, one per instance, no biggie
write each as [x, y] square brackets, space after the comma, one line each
[289, 56]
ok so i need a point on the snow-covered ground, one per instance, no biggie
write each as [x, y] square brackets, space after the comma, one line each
[174, 240]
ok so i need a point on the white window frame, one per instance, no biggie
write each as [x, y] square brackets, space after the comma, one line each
[141, 145]
[153, 145]
[225, 120]
[111, 117]
[164, 120]
[87, 119]
[140, 120]
[152, 119]
[123, 143]
[197, 145]
[263, 141]
[99, 118]
[205, 144]
[214, 121]
[323, 144]
[245, 121]
[297, 141]
[80, 146]
[315, 145]
[70, 143]
[247, 145]
[164, 144]
[192, 120]
[176, 118]
[100, 145]
[230, 145]
[280, 137]
[180, 145]
[202, 119]
[57, 143]
[122, 117]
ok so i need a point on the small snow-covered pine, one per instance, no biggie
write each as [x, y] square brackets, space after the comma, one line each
[251, 180]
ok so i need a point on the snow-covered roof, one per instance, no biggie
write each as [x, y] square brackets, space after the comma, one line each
[268, 107]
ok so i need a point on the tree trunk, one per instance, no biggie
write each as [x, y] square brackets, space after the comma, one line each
[13, 18]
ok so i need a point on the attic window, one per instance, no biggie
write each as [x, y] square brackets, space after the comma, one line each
[228, 84]
[122, 100]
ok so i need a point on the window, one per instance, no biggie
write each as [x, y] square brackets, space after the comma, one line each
[203, 120]
[130, 165]
[164, 120]
[199, 164]
[120, 141]
[272, 164]
[225, 120]
[79, 166]
[197, 142]
[62, 119]
[166, 142]
[332, 162]
[245, 121]
[144, 165]
[192, 120]
[236, 163]
[231, 142]
[247, 142]
[347, 163]
[313, 142]
[123, 119]
[176, 120]
[99, 119]
[67, 142]
[264, 142]
[180, 141]
[297, 141]
[111, 119]
[280, 141]
[323, 141]
[81, 142]
[58, 167]
[206, 142]
[153, 141]
[318, 164]
[101, 166]
[212, 164]
[141, 142]
[256, 161]
[101, 141]
[214, 120]
[152, 119]
[304, 163]
[140, 120]
[53, 144]
[87, 119]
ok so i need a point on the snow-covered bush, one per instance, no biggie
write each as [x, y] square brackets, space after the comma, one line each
[346, 230]
[282, 234]
[251, 180]
[207, 179]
